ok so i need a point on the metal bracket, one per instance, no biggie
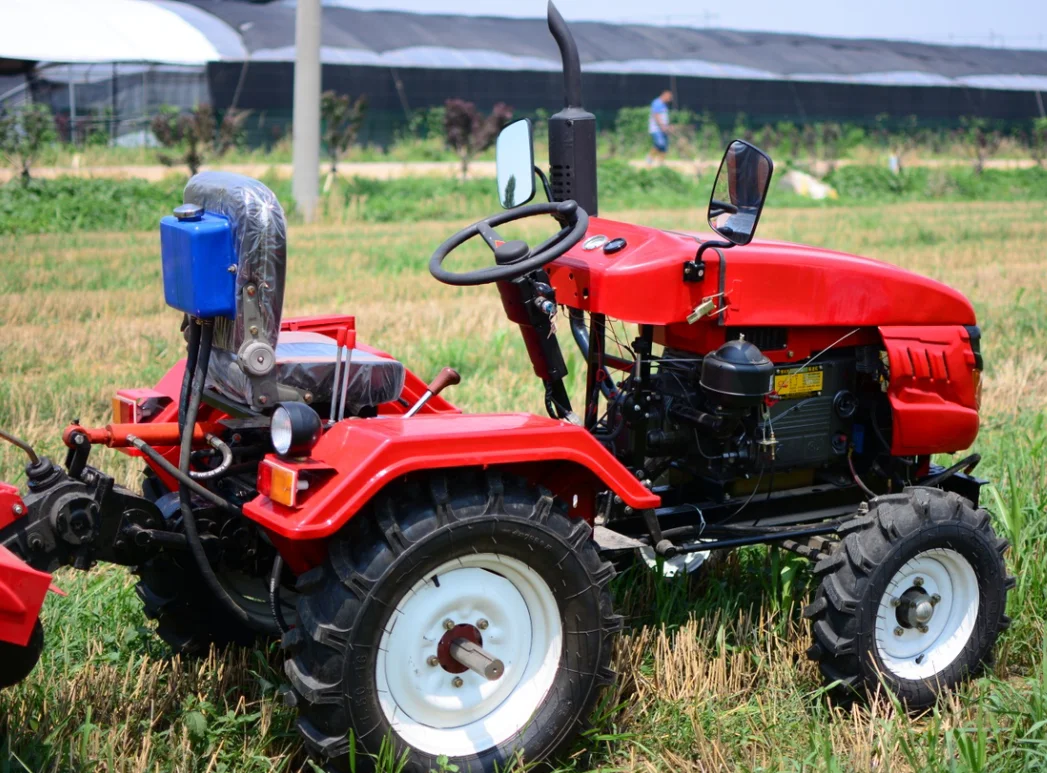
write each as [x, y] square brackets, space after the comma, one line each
[256, 356]
[694, 270]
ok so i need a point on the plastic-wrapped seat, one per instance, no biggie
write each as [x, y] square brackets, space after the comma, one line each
[304, 362]
[307, 362]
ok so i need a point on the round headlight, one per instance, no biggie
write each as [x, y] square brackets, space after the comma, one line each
[294, 429]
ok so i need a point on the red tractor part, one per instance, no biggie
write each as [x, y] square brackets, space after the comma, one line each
[934, 402]
[355, 460]
[164, 434]
[22, 592]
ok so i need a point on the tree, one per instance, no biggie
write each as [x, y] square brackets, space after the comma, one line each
[468, 131]
[981, 139]
[708, 138]
[1038, 140]
[24, 132]
[509, 199]
[342, 118]
[196, 135]
[830, 135]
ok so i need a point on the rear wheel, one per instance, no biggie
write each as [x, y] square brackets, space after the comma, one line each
[492, 561]
[18, 661]
[914, 595]
[189, 618]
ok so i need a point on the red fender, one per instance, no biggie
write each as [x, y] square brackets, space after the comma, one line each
[22, 588]
[356, 458]
[933, 389]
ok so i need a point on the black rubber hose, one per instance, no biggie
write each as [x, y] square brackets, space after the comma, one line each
[192, 534]
[187, 377]
[174, 472]
[274, 594]
[968, 464]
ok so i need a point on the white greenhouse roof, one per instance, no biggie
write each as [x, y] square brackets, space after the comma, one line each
[85, 31]
[193, 32]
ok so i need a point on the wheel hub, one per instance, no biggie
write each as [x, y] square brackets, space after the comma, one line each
[916, 608]
[443, 649]
[927, 614]
[434, 701]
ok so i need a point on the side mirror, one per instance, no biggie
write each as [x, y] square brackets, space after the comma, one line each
[514, 155]
[739, 192]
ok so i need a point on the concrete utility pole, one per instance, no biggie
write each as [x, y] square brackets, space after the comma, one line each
[306, 127]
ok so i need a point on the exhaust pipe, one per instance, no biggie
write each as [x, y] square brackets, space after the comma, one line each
[572, 131]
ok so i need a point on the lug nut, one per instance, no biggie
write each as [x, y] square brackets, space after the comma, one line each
[448, 624]
[921, 628]
[482, 624]
[896, 602]
[898, 631]
[457, 682]
[432, 660]
[935, 598]
[918, 582]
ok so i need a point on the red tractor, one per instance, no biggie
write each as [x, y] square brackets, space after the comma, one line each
[442, 579]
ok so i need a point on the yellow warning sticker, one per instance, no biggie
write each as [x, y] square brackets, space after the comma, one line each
[799, 382]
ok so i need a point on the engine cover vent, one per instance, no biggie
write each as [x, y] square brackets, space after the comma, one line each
[765, 338]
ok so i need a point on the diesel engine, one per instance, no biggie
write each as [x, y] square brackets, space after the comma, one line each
[734, 413]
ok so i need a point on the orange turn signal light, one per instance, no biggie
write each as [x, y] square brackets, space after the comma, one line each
[277, 482]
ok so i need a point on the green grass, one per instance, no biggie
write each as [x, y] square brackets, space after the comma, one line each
[70, 204]
[713, 672]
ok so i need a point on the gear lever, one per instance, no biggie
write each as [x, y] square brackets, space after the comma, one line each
[447, 377]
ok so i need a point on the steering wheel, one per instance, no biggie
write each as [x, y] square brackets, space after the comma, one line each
[515, 258]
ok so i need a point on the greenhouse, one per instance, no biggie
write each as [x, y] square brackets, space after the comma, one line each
[101, 76]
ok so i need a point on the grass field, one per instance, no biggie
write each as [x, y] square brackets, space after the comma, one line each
[713, 674]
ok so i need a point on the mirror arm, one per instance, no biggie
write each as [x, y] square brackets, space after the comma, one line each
[710, 245]
[545, 183]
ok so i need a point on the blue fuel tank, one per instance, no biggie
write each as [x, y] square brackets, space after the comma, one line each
[199, 263]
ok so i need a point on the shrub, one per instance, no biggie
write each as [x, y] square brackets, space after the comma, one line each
[24, 132]
[70, 204]
[468, 131]
[341, 118]
[197, 135]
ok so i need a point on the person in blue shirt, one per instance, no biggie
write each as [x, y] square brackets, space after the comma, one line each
[658, 126]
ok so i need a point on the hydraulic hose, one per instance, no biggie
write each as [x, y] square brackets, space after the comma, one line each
[177, 474]
[227, 460]
[202, 357]
[192, 351]
[274, 594]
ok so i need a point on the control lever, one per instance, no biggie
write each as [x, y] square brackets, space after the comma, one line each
[447, 377]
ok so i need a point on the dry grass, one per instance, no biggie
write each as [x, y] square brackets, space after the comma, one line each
[714, 677]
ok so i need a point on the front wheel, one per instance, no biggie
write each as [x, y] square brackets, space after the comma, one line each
[484, 559]
[913, 597]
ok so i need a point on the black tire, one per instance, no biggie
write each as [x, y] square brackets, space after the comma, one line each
[188, 617]
[344, 606]
[854, 579]
[17, 662]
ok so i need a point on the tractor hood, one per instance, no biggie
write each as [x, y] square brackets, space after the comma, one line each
[765, 283]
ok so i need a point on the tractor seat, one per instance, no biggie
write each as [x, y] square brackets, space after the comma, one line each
[306, 361]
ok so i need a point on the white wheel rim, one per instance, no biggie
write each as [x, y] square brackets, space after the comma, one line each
[521, 627]
[909, 652]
